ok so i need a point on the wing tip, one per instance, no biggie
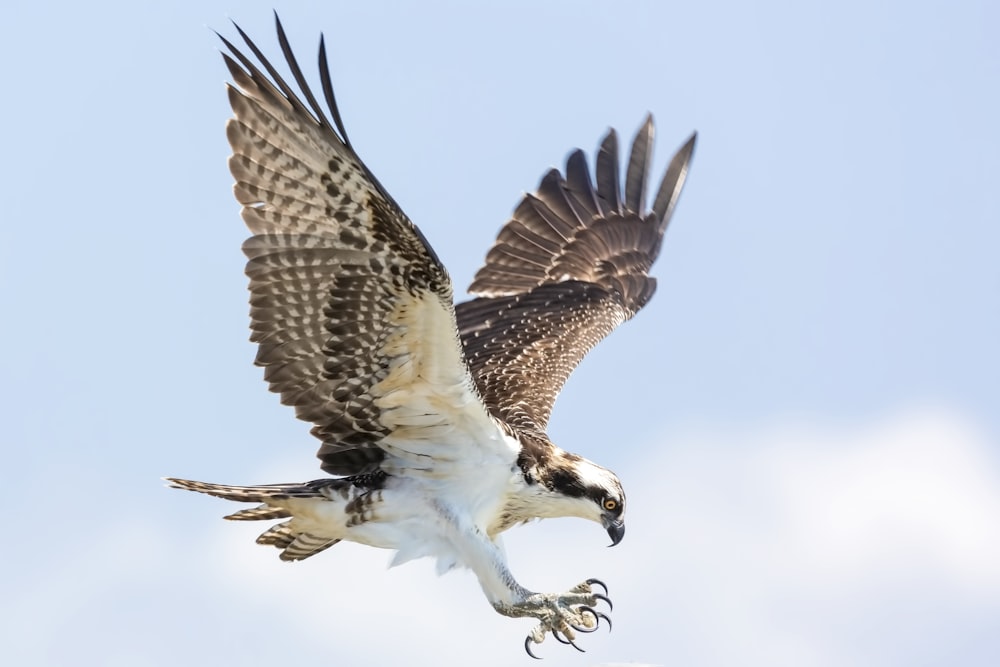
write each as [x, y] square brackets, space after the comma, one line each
[637, 174]
[673, 182]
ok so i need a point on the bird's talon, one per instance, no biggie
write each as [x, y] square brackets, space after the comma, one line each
[611, 607]
[564, 616]
[597, 582]
[584, 610]
[568, 640]
[527, 647]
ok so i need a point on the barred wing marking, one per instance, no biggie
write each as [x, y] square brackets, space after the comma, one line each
[570, 266]
[351, 309]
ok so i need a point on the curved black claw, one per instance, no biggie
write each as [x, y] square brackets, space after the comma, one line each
[608, 620]
[611, 607]
[597, 619]
[527, 647]
[597, 582]
[567, 641]
[593, 613]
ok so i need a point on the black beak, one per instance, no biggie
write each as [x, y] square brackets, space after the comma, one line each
[616, 531]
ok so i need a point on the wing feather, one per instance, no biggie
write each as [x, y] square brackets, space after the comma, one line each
[607, 174]
[638, 167]
[579, 185]
[351, 309]
[672, 184]
[571, 265]
[553, 204]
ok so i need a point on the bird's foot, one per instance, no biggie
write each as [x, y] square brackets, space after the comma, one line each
[562, 614]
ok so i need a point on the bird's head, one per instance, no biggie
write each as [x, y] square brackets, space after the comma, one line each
[586, 490]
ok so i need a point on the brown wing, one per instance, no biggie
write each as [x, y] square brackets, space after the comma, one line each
[570, 266]
[350, 307]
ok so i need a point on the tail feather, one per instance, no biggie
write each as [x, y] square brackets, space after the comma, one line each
[280, 536]
[255, 494]
[259, 513]
[294, 544]
[304, 546]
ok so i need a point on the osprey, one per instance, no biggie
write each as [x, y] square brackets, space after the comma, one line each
[432, 415]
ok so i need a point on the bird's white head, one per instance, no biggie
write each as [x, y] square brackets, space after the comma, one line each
[570, 485]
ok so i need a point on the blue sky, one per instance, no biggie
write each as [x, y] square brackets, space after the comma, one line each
[805, 417]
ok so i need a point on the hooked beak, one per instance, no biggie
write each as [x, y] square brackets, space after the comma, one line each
[616, 530]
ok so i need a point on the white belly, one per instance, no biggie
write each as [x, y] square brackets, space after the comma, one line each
[416, 516]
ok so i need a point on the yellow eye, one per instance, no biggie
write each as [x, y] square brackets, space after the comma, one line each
[610, 504]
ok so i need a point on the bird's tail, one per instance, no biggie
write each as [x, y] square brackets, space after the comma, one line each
[295, 544]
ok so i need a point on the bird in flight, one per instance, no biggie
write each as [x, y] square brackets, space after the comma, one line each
[432, 415]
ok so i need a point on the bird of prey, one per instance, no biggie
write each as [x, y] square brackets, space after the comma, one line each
[432, 415]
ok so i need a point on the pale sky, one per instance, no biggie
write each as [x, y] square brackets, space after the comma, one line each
[805, 417]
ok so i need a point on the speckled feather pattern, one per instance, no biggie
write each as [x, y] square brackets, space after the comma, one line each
[334, 268]
[570, 266]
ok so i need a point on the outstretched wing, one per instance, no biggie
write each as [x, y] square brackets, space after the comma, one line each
[570, 266]
[351, 309]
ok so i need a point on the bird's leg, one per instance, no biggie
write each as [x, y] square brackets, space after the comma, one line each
[562, 614]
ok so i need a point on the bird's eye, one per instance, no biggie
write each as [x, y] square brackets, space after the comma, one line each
[610, 504]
